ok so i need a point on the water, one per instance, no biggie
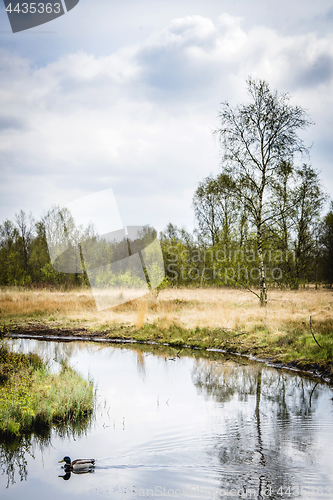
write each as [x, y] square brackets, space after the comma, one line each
[181, 427]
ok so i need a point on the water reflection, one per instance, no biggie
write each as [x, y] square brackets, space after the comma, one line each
[14, 451]
[269, 429]
[68, 473]
[12, 458]
[203, 423]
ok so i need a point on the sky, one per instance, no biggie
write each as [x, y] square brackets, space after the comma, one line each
[125, 95]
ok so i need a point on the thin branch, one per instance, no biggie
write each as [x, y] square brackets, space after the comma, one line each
[313, 333]
[312, 393]
[249, 289]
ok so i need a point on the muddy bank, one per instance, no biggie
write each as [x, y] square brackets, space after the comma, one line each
[129, 334]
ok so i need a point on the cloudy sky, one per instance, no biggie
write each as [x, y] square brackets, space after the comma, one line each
[125, 94]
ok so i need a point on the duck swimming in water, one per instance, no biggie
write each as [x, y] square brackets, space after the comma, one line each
[80, 464]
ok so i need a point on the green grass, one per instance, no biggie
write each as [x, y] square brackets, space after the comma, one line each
[295, 345]
[31, 397]
[292, 343]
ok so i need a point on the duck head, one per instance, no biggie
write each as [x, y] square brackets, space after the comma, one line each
[67, 461]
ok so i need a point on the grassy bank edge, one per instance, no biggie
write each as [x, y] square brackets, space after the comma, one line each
[34, 399]
[294, 349]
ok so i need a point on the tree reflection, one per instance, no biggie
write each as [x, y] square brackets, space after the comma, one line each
[12, 458]
[267, 424]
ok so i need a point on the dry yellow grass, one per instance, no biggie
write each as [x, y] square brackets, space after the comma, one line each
[189, 308]
[141, 313]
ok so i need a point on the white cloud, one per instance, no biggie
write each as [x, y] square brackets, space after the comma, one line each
[140, 119]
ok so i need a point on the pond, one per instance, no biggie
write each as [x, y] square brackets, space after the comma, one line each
[187, 424]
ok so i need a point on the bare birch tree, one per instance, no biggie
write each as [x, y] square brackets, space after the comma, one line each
[255, 138]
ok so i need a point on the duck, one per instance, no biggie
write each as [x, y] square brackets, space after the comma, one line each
[79, 464]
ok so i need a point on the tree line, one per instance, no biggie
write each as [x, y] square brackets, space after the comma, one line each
[295, 252]
[259, 221]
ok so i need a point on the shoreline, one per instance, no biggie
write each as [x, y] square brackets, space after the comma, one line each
[40, 331]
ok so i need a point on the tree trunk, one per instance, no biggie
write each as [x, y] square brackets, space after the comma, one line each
[257, 416]
[262, 271]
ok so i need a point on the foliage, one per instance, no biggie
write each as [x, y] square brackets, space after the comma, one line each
[215, 209]
[326, 240]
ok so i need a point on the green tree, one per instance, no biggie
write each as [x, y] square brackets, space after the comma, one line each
[326, 241]
[39, 255]
[308, 199]
[215, 208]
[25, 226]
[9, 258]
[283, 203]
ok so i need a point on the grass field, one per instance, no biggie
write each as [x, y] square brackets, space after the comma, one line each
[202, 317]
[189, 308]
